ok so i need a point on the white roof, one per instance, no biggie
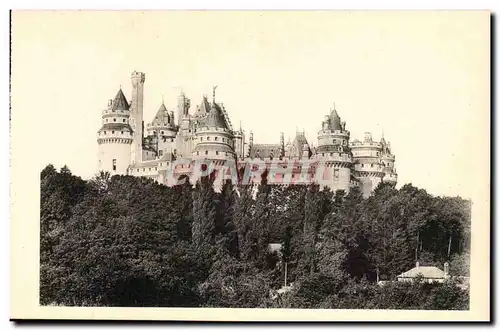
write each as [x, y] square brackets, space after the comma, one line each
[426, 272]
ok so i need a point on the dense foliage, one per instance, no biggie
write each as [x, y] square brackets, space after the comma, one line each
[127, 241]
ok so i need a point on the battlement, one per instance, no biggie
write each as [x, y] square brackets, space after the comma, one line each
[362, 144]
[138, 77]
[208, 129]
[328, 132]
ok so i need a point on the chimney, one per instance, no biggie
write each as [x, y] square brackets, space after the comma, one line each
[417, 264]
[446, 269]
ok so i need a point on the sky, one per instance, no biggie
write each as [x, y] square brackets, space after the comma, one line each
[421, 78]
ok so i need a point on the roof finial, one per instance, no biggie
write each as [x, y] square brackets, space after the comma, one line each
[213, 97]
[334, 106]
[162, 100]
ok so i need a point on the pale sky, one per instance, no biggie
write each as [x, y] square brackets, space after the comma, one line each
[421, 78]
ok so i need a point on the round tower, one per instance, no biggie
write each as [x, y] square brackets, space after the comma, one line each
[115, 136]
[388, 160]
[214, 139]
[162, 130]
[367, 156]
[333, 152]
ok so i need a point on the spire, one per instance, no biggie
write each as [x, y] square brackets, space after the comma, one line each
[120, 102]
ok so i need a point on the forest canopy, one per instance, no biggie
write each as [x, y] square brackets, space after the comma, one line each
[129, 241]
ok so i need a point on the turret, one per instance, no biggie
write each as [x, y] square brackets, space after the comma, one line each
[282, 145]
[333, 151]
[115, 136]
[162, 130]
[214, 136]
[183, 105]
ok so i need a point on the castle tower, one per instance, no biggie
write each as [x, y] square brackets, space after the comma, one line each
[239, 142]
[334, 153]
[388, 160]
[136, 115]
[183, 105]
[368, 163]
[163, 130]
[282, 145]
[115, 136]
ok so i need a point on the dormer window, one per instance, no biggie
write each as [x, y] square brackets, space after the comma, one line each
[124, 120]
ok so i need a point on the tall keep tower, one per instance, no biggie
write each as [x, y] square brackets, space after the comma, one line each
[136, 115]
[115, 136]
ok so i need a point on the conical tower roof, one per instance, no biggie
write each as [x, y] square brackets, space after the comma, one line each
[161, 116]
[335, 120]
[216, 117]
[120, 102]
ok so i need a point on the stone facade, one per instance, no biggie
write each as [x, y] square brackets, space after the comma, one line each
[205, 134]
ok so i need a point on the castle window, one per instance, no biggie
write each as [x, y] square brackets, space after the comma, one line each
[371, 165]
[340, 154]
[198, 153]
[112, 132]
[216, 138]
[206, 152]
[208, 138]
[137, 170]
[149, 169]
[362, 165]
[322, 154]
[154, 132]
[343, 142]
[122, 132]
[201, 138]
[106, 120]
[114, 164]
[378, 153]
[104, 132]
[114, 119]
[156, 168]
[124, 120]
[160, 153]
[336, 173]
[162, 132]
[216, 152]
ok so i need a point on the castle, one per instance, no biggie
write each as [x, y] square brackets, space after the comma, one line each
[175, 142]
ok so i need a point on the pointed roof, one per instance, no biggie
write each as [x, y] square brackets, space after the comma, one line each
[216, 117]
[204, 106]
[335, 120]
[120, 102]
[162, 115]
